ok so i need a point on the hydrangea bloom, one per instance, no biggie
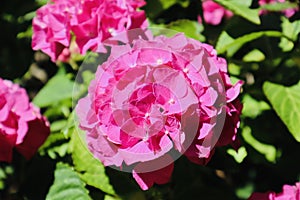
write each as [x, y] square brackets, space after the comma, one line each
[289, 192]
[288, 12]
[21, 124]
[213, 13]
[90, 21]
[155, 100]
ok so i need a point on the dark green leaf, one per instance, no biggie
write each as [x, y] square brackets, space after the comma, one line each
[67, 185]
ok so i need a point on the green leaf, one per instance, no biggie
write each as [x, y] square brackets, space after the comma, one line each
[267, 150]
[189, 28]
[56, 144]
[109, 197]
[25, 34]
[286, 103]
[27, 17]
[67, 185]
[58, 88]
[231, 46]
[242, 9]
[224, 40]
[240, 155]
[234, 69]
[254, 56]
[91, 169]
[245, 191]
[278, 6]
[292, 31]
[58, 125]
[253, 108]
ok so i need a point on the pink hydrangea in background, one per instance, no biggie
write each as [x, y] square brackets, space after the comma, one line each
[288, 12]
[157, 97]
[22, 127]
[213, 13]
[89, 21]
[289, 192]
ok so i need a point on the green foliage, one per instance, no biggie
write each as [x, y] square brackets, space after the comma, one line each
[239, 155]
[286, 103]
[58, 88]
[262, 50]
[5, 171]
[252, 108]
[278, 6]
[55, 145]
[67, 185]
[231, 46]
[254, 56]
[291, 30]
[267, 150]
[91, 169]
[190, 28]
[242, 9]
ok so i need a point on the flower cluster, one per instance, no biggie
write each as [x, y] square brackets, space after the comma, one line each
[21, 125]
[89, 21]
[155, 100]
[289, 192]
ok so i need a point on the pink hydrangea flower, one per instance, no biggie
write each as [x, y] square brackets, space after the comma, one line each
[288, 12]
[213, 13]
[21, 125]
[289, 192]
[155, 100]
[90, 21]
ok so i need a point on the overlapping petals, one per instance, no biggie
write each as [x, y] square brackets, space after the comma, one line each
[155, 100]
[289, 192]
[89, 21]
[21, 125]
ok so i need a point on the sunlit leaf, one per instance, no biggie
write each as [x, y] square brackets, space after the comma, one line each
[290, 29]
[252, 108]
[58, 88]
[267, 150]
[234, 69]
[278, 6]
[91, 169]
[191, 28]
[224, 40]
[234, 45]
[241, 8]
[286, 103]
[67, 185]
[239, 155]
[254, 56]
